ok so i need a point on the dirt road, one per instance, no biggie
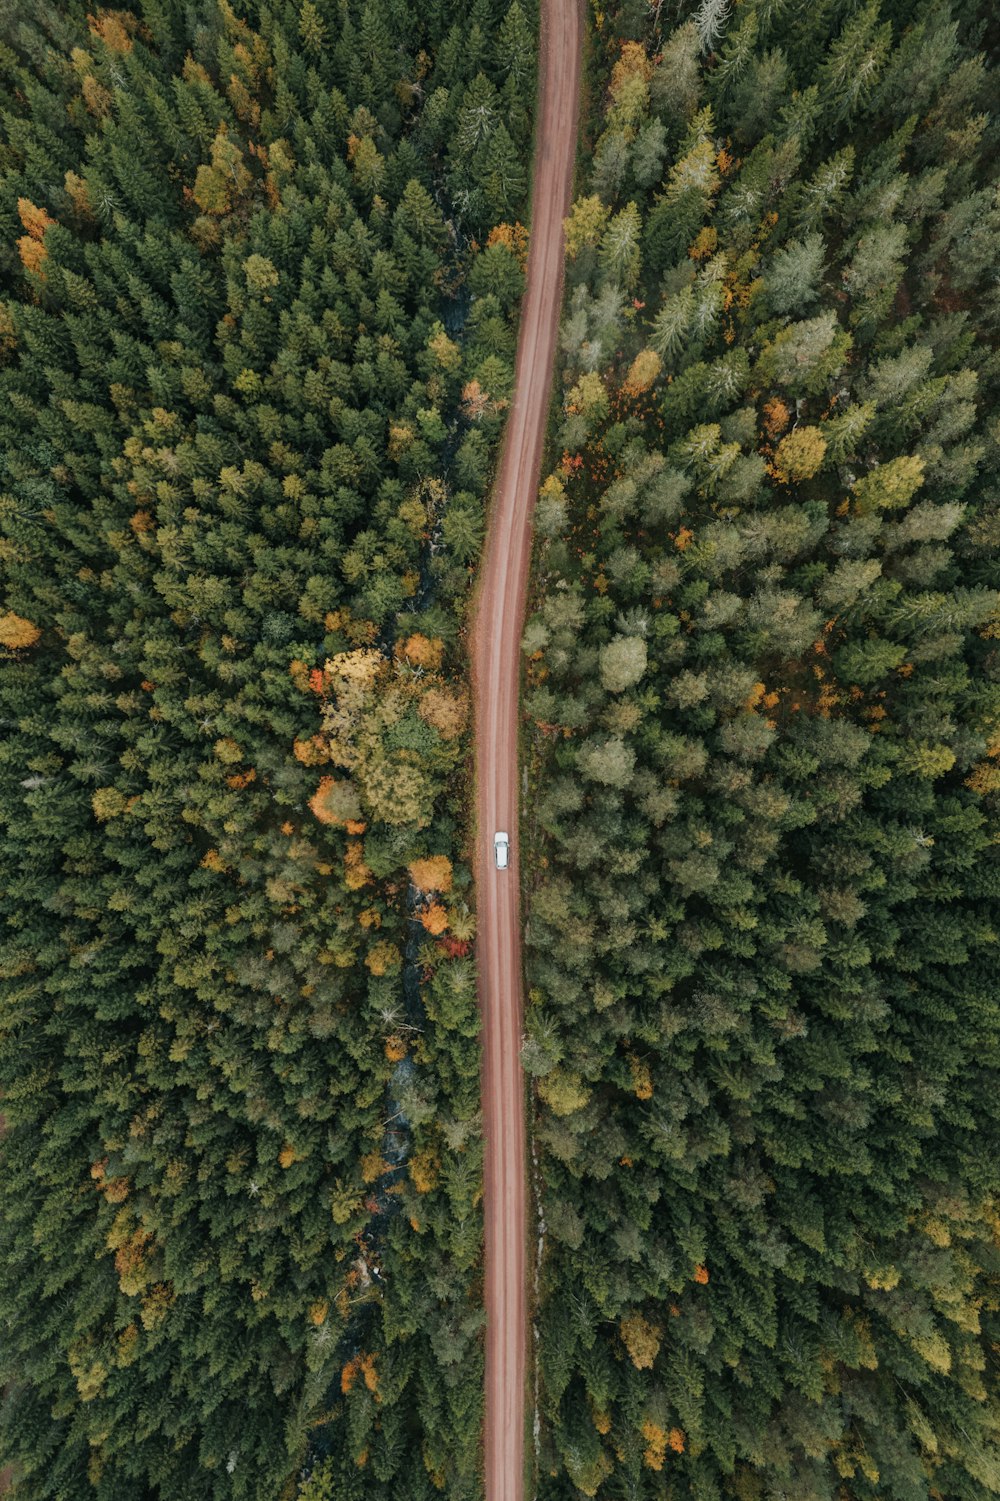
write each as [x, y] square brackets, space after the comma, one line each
[496, 662]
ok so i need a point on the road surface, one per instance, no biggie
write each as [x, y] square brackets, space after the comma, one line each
[499, 625]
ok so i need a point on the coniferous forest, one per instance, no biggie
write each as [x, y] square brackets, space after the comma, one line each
[260, 270]
[764, 679]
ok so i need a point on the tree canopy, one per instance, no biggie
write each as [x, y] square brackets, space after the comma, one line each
[763, 675]
[261, 265]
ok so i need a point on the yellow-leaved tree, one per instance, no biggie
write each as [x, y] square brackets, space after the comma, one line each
[394, 724]
[16, 633]
[641, 1340]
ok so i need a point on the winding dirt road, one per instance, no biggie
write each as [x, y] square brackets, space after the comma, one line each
[499, 624]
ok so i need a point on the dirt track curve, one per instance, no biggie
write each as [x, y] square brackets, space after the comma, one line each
[499, 625]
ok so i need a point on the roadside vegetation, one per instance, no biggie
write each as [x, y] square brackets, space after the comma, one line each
[764, 680]
[261, 268]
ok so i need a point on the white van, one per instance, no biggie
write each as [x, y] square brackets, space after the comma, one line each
[501, 850]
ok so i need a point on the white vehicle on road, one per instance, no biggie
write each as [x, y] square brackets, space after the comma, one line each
[501, 850]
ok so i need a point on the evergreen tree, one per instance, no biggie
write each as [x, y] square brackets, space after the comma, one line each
[761, 1025]
[241, 1220]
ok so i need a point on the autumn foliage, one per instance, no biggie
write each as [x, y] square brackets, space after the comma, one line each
[431, 873]
[393, 723]
[383, 957]
[434, 918]
[31, 247]
[642, 372]
[115, 28]
[776, 416]
[335, 801]
[656, 1445]
[362, 1365]
[800, 454]
[424, 1168]
[513, 237]
[641, 1339]
[16, 633]
[422, 651]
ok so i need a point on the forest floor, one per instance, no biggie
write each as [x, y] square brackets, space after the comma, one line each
[499, 624]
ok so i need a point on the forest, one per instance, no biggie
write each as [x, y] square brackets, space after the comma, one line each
[763, 680]
[261, 264]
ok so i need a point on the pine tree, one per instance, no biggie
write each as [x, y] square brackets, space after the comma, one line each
[217, 334]
[759, 679]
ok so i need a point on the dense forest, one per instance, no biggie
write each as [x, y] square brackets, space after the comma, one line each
[763, 680]
[261, 266]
